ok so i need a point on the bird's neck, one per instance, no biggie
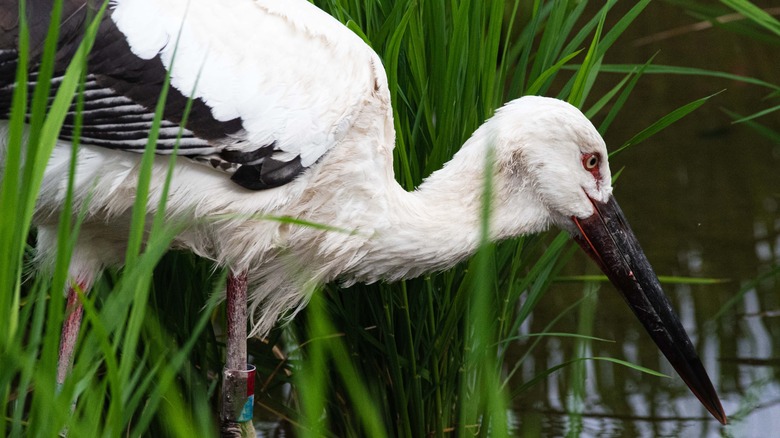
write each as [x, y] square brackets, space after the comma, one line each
[440, 223]
[433, 228]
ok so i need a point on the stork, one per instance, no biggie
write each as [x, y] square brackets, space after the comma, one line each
[291, 116]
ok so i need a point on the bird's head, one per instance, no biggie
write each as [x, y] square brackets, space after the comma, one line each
[550, 157]
[548, 150]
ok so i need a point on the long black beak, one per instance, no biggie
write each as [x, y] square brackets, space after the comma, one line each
[608, 239]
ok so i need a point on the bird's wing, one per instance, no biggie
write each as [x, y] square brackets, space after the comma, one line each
[274, 85]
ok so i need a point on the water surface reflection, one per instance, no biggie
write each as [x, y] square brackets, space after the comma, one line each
[703, 197]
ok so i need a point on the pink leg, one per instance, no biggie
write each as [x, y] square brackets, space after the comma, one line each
[70, 329]
[85, 264]
[238, 383]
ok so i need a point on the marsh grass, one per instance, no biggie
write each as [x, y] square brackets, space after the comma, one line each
[415, 358]
[126, 365]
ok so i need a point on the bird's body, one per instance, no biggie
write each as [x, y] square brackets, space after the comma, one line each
[347, 182]
[292, 118]
[252, 75]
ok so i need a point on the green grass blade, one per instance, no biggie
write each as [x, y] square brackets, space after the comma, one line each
[536, 86]
[755, 14]
[546, 373]
[765, 131]
[757, 115]
[685, 71]
[666, 279]
[663, 122]
[578, 92]
[11, 230]
[621, 100]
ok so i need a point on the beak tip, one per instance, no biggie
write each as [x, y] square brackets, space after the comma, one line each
[720, 415]
[716, 410]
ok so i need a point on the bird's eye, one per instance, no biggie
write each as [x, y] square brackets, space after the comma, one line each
[590, 161]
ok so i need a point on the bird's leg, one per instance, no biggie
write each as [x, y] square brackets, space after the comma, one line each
[70, 327]
[236, 321]
[239, 376]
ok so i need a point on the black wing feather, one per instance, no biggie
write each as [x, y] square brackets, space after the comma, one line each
[122, 90]
[270, 173]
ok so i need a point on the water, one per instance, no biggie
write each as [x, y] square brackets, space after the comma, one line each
[704, 199]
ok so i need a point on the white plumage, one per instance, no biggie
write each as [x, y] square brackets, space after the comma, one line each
[293, 74]
[343, 110]
[284, 84]
[396, 234]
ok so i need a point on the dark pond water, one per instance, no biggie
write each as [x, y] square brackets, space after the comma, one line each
[704, 199]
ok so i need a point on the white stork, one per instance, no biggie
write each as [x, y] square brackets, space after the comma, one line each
[292, 117]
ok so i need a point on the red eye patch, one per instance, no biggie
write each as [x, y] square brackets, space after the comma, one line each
[591, 163]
